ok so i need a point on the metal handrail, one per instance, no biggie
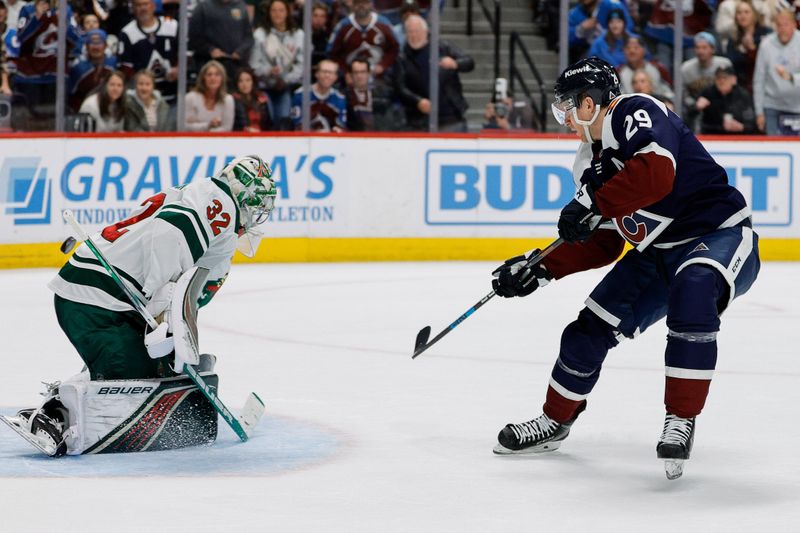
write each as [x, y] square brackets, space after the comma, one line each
[514, 74]
[494, 23]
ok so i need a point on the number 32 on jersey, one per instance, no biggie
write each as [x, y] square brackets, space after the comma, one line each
[219, 219]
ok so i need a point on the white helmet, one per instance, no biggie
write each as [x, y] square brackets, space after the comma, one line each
[250, 180]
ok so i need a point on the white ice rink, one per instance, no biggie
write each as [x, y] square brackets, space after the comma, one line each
[360, 438]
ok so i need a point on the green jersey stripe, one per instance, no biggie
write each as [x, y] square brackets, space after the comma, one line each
[93, 278]
[181, 221]
[194, 214]
[93, 261]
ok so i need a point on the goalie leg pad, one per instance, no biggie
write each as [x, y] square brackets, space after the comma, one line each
[137, 415]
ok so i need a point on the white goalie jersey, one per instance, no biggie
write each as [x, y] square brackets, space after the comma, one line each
[172, 231]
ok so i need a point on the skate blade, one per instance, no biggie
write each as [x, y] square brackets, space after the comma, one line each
[499, 449]
[673, 468]
[44, 446]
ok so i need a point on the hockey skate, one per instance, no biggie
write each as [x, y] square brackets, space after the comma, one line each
[675, 444]
[44, 426]
[45, 433]
[542, 434]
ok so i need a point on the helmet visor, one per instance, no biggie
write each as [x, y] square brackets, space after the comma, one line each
[561, 109]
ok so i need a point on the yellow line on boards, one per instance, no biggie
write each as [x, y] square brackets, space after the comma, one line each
[299, 250]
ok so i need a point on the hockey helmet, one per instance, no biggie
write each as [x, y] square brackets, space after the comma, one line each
[592, 77]
[250, 180]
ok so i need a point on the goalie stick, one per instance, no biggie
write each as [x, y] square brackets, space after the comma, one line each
[421, 344]
[253, 409]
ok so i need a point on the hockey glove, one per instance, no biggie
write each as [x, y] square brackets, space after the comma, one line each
[158, 343]
[516, 278]
[160, 301]
[580, 217]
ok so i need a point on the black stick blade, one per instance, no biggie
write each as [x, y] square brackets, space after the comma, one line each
[422, 339]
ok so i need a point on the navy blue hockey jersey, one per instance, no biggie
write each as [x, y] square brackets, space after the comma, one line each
[660, 185]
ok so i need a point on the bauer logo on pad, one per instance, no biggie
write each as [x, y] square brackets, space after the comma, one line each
[26, 190]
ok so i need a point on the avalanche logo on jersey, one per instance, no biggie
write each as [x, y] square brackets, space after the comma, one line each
[641, 227]
[28, 190]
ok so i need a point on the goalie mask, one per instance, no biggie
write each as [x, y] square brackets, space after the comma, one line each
[590, 77]
[250, 180]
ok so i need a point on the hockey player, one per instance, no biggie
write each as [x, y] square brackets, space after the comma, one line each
[642, 177]
[196, 225]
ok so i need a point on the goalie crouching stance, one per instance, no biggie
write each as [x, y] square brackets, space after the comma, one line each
[176, 251]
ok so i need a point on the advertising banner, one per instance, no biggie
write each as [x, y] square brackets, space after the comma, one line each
[351, 187]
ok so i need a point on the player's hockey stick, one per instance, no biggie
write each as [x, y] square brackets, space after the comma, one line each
[422, 344]
[253, 408]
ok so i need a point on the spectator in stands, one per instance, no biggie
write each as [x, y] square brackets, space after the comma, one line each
[414, 80]
[35, 78]
[408, 8]
[643, 83]
[328, 110]
[320, 33]
[584, 23]
[725, 20]
[743, 45]
[660, 27]
[510, 115]
[698, 74]
[776, 79]
[151, 43]
[725, 106]
[609, 44]
[107, 106]
[364, 35]
[89, 22]
[209, 107]
[90, 73]
[220, 30]
[360, 111]
[635, 59]
[277, 57]
[146, 109]
[370, 106]
[252, 105]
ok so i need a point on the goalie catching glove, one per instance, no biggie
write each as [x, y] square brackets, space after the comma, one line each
[516, 278]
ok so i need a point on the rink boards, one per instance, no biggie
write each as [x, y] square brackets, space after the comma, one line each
[354, 198]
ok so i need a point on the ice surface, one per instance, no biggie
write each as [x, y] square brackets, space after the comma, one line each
[358, 437]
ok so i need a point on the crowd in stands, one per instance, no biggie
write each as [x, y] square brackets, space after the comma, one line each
[741, 68]
[370, 64]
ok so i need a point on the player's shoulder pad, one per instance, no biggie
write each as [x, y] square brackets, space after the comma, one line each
[622, 106]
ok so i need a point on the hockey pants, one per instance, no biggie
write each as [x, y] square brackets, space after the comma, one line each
[110, 343]
[690, 287]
